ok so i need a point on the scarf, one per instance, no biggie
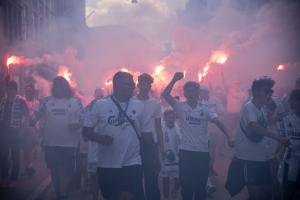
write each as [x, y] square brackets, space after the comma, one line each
[17, 111]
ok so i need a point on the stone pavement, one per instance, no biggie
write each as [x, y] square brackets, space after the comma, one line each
[28, 188]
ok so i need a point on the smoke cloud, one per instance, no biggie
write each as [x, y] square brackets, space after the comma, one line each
[181, 35]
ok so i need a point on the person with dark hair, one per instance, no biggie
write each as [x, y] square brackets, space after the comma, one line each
[193, 150]
[151, 136]
[115, 124]
[61, 88]
[30, 133]
[250, 166]
[13, 110]
[62, 119]
[290, 164]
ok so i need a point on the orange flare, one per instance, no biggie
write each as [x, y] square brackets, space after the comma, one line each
[64, 72]
[13, 60]
[124, 70]
[200, 77]
[108, 82]
[281, 68]
[159, 69]
[219, 57]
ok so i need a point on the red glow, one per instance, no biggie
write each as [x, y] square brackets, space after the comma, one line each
[281, 67]
[65, 72]
[13, 60]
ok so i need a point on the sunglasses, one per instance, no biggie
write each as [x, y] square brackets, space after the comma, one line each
[269, 91]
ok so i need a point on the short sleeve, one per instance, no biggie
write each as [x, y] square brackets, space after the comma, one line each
[79, 109]
[157, 112]
[211, 112]
[92, 115]
[249, 114]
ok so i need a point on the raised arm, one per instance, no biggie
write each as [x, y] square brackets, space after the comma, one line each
[166, 94]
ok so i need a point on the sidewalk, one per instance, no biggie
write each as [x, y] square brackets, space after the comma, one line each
[29, 187]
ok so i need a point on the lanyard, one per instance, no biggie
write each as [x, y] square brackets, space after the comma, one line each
[122, 113]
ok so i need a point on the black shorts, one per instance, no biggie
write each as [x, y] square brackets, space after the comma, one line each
[61, 157]
[290, 186]
[113, 181]
[252, 172]
[258, 173]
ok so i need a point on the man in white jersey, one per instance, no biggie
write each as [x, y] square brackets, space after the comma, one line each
[118, 121]
[151, 137]
[291, 130]
[61, 114]
[193, 150]
[251, 162]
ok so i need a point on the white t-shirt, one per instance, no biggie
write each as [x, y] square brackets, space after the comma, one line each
[171, 139]
[57, 114]
[215, 104]
[273, 126]
[193, 125]
[244, 148]
[152, 110]
[106, 118]
[291, 124]
[92, 146]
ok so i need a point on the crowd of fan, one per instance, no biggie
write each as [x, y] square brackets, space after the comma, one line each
[121, 146]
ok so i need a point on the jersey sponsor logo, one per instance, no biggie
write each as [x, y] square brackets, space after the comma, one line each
[118, 121]
[58, 111]
[193, 120]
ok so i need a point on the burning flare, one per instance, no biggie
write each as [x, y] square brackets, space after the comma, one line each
[13, 60]
[218, 57]
[159, 69]
[108, 82]
[281, 67]
[65, 72]
[124, 70]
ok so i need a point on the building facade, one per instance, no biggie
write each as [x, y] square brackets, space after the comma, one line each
[32, 22]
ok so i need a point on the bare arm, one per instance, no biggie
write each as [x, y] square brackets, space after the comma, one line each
[88, 132]
[224, 130]
[166, 94]
[267, 133]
